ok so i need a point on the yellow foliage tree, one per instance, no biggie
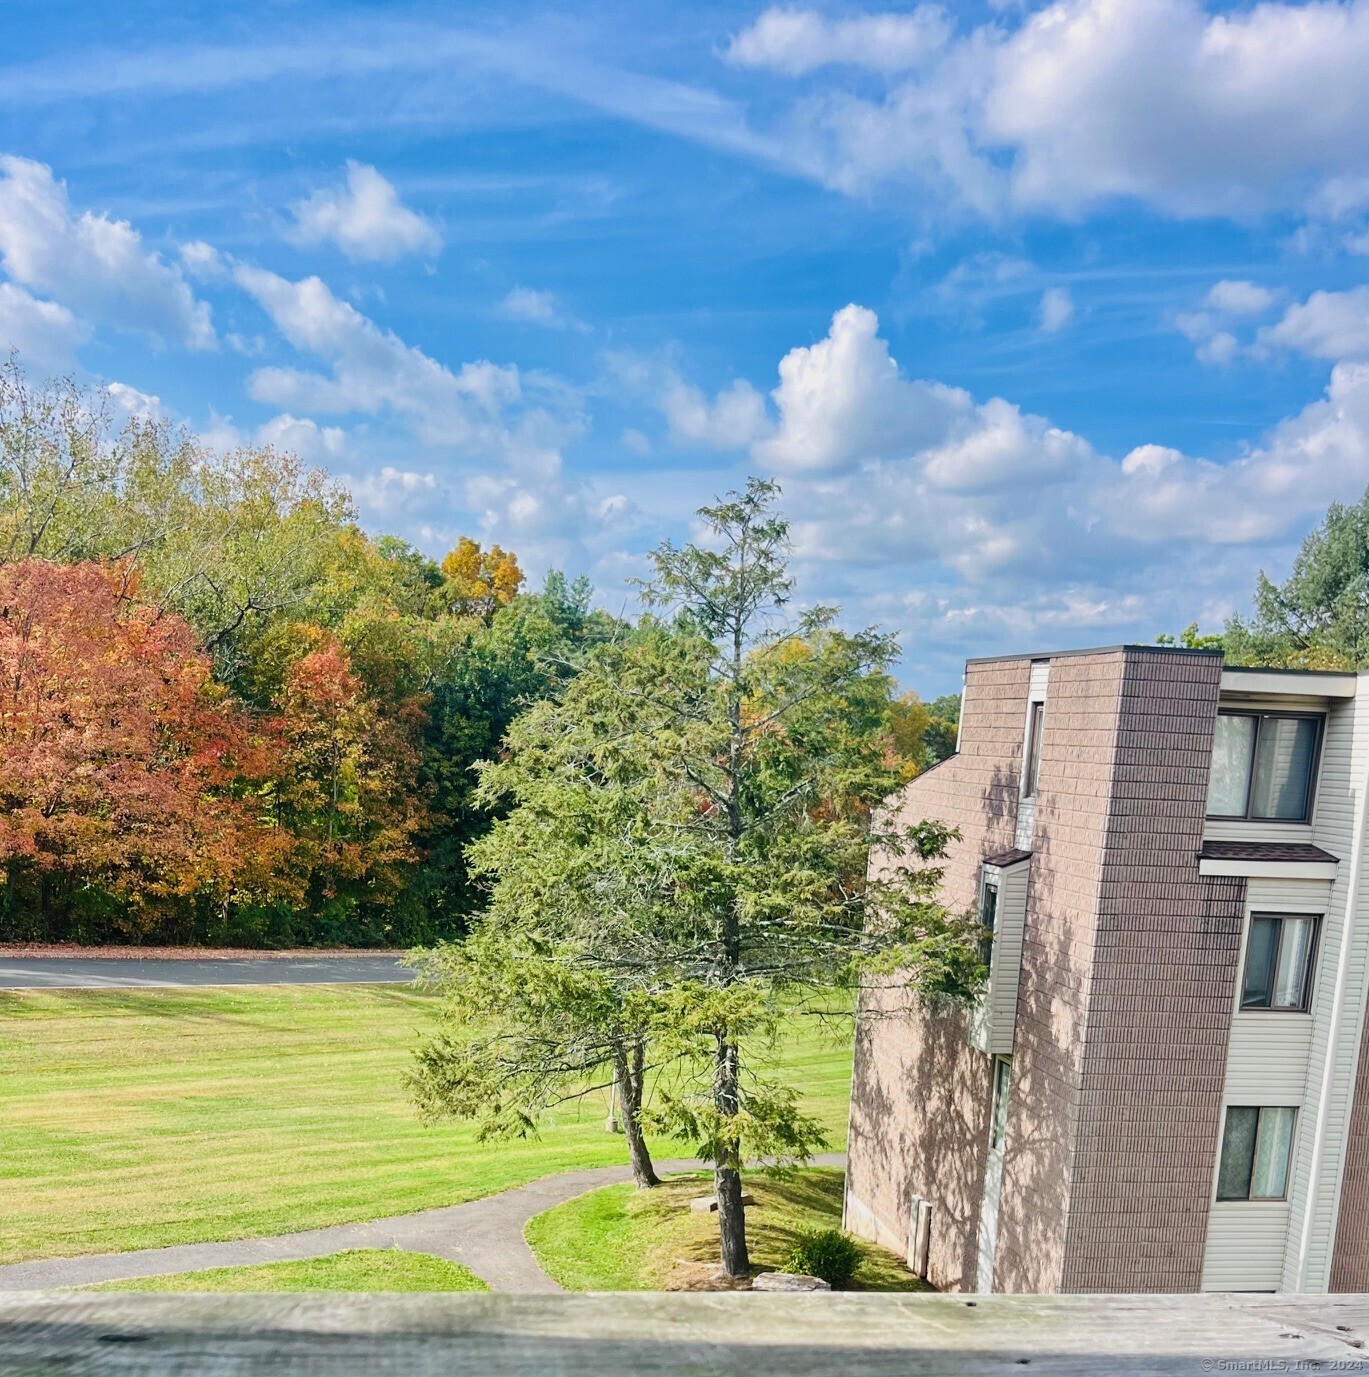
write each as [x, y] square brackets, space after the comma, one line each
[479, 582]
[909, 719]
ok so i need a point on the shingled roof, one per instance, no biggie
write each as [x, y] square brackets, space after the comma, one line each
[1263, 851]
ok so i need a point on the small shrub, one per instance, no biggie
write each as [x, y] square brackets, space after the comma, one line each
[825, 1253]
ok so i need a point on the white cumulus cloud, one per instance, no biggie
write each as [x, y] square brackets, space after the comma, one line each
[315, 444]
[845, 398]
[94, 266]
[1328, 325]
[1240, 298]
[1191, 110]
[43, 333]
[364, 218]
[373, 370]
[731, 420]
[978, 524]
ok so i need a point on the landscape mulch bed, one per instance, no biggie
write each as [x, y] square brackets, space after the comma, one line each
[32, 951]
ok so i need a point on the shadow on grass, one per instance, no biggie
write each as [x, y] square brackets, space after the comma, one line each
[212, 1004]
[620, 1238]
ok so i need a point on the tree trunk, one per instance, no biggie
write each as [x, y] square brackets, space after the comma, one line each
[628, 1077]
[727, 1170]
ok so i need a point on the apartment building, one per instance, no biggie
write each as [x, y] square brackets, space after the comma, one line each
[1163, 1087]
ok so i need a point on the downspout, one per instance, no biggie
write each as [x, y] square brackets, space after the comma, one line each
[1332, 1032]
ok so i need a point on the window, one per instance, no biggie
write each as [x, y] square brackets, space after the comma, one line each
[1032, 765]
[988, 915]
[1255, 1151]
[1262, 766]
[998, 1118]
[1278, 961]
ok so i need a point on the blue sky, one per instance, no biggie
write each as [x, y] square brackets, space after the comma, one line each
[1050, 319]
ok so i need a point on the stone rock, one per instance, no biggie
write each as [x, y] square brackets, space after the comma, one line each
[708, 1204]
[788, 1281]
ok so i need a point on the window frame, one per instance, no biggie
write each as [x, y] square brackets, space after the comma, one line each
[1309, 970]
[1260, 716]
[1031, 763]
[1000, 1095]
[1247, 1198]
[988, 886]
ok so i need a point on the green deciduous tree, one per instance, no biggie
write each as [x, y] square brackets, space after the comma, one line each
[1318, 617]
[943, 728]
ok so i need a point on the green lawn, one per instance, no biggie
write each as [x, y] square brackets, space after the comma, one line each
[139, 1118]
[361, 1269]
[623, 1239]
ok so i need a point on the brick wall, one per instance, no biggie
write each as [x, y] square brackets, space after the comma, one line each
[1078, 754]
[1163, 975]
[920, 1093]
[1350, 1260]
[1128, 973]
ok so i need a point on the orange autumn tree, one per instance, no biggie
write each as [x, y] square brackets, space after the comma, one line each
[346, 785]
[123, 766]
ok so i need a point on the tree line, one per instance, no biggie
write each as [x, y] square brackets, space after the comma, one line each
[227, 715]
[230, 716]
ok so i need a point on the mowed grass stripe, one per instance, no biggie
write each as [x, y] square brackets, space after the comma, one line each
[134, 1119]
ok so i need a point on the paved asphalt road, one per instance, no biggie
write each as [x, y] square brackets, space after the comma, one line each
[92, 972]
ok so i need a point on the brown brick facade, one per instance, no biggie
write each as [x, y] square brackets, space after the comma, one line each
[919, 1124]
[1124, 1001]
[1163, 976]
[1350, 1260]
[1078, 747]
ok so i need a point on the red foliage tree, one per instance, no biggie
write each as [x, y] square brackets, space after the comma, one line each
[122, 762]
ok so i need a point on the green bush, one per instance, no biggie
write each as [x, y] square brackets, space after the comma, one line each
[825, 1253]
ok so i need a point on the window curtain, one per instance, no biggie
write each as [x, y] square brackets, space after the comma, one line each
[1231, 750]
[1283, 773]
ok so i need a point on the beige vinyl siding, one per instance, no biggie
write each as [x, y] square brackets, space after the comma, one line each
[1269, 1054]
[1288, 896]
[1225, 829]
[1337, 1004]
[1241, 702]
[994, 1022]
[1266, 1064]
[1040, 681]
[1026, 824]
[1026, 807]
[1267, 1058]
[1245, 1245]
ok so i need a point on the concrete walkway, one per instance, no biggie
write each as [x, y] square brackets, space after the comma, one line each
[96, 973]
[485, 1235]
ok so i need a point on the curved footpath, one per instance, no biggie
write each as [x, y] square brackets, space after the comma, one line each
[485, 1235]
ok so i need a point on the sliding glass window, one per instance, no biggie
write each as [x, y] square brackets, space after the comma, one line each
[1263, 766]
[1278, 961]
[1256, 1148]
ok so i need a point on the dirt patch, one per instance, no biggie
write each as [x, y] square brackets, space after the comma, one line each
[45, 951]
[688, 1275]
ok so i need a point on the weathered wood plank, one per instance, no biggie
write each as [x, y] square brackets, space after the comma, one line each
[149, 1335]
